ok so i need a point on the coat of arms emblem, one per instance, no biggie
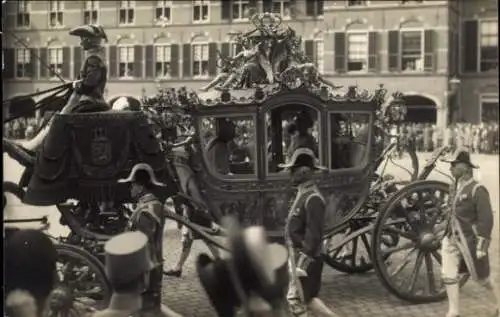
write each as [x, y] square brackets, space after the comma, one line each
[100, 147]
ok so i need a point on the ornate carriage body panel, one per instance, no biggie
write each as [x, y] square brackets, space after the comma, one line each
[261, 194]
[84, 155]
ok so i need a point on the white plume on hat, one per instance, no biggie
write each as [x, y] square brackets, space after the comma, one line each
[120, 104]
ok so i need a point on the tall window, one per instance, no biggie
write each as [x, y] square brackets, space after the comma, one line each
[412, 51]
[200, 10]
[127, 12]
[23, 14]
[55, 61]
[319, 54]
[162, 60]
[126, 61]
[488, 37]
[489, 108]
[200, 60]
[163, 11]
[90, 13]
[282, 7]
[240, 8]
[357, 51]
[411, 1]
[23, 63]
[352, 3]
[314, 8]
[56, 13]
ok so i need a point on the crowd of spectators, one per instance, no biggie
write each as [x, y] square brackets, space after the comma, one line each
[480, 138]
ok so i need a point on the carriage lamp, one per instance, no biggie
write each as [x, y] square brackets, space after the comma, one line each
[259, 94]
[397, 108]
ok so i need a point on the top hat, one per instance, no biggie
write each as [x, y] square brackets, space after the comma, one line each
[301, 151]
[127, 257]
[145, 168]
[89, 31]
[257, 265]
[461, 155]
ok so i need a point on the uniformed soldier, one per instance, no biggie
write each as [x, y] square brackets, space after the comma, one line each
[468, 234]
[149, 218]
[303, 234]
[128, 264]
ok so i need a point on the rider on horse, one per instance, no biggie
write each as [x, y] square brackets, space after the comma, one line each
[89, 88]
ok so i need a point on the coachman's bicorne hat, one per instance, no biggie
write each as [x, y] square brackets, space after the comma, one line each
[127, 257]
[144, 169]
[89, 31]
[461, 155]
[299, 153]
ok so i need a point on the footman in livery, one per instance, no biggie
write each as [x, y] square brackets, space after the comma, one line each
[303, 234]
[465, 246]
[149, 219]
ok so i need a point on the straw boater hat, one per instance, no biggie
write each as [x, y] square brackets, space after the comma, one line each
[127, 257]
[259, 267]
[145, 168]
[461, 155]
[90, 31]
[302, 151]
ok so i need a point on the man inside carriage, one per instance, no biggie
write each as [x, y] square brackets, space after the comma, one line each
[88, 90]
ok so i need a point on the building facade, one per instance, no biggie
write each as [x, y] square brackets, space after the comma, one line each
[417, 47]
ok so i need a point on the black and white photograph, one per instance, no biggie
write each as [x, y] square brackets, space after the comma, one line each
[256, 158]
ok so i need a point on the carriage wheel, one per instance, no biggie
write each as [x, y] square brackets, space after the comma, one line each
[411, 268]
[83, 287]
[353, 256]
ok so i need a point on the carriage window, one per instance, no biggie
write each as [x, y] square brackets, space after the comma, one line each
[229, 144]
[288, 128]
[350, 135]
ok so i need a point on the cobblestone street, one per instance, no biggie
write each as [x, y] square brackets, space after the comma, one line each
[350, 295]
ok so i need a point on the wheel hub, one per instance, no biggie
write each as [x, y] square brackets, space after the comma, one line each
[427, 240]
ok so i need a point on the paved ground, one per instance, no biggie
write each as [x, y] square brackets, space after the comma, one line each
[350, 295]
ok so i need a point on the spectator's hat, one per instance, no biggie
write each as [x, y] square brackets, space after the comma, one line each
[461, 155]
[127, 257]
[255, 267]
[144, 173]
[90, 31]
[303, 156]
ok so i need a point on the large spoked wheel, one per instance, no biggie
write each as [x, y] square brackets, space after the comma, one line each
[83, 287]
[411, 267]
[350, 251]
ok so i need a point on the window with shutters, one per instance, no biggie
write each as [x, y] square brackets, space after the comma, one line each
[357, 52]
[282, 7]
[23, 14]
[163, 55]
[240, 9]
[489, 108]
[56, 13]
[23, 63]
[314, 8]
[200, 11]
[55, 57]
[200, 59]
[412, 52]
[127, 12]
[126, 61]
[90, 12]
[353, 3]
[488, 45]
[164, 11]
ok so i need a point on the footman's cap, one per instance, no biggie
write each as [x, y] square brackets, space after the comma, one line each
[461, 155]
[127, 257]
[89, 31]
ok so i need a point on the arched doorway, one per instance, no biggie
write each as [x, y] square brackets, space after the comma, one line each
[420, 109]
[134, 103]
